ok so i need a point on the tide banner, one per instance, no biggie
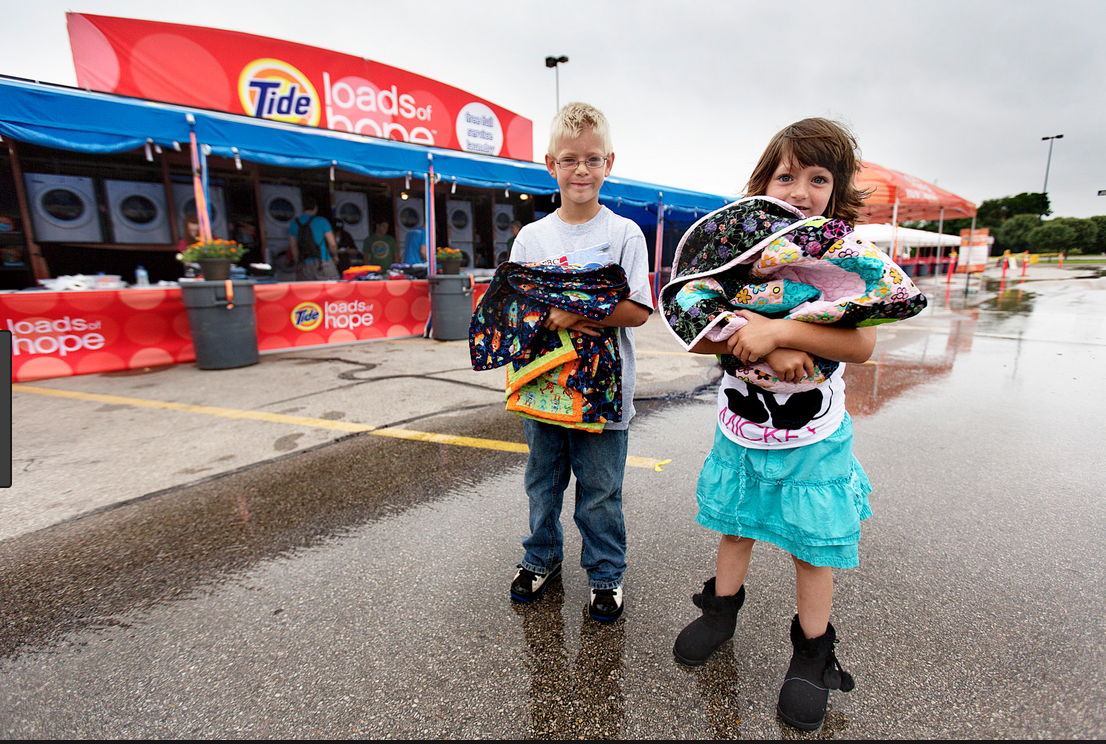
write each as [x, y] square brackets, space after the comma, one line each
[272, 79]
[59, 334]
[319, 313]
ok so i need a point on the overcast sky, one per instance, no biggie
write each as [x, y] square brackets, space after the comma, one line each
[958, 93]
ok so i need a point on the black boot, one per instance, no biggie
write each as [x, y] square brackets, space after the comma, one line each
[814, 671]
[698, 641]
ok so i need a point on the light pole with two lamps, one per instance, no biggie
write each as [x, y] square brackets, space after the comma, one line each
[553, 62]
[1048, 163]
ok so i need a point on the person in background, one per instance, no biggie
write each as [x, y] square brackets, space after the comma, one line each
[414, 246]
[245, 232]
[311, 245]
[348, 255]
[516, 225]
[191, 231]
[380, 247]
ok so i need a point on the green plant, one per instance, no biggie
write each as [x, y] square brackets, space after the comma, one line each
[446, 253]
[216, 248]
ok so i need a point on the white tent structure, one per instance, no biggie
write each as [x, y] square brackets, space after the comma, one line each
[884, 238]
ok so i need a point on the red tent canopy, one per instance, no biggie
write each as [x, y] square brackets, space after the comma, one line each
[917, 199]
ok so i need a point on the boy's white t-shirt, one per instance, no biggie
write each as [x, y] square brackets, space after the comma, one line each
[758, 419]
[552, 237]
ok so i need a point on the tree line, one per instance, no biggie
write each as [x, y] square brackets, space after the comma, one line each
[1017, 223]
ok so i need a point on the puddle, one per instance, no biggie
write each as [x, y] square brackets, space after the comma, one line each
[94, 571]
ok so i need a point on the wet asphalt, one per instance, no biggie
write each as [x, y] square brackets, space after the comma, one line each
[334, 583]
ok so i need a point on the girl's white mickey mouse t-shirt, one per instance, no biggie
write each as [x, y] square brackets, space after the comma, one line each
[756, 418]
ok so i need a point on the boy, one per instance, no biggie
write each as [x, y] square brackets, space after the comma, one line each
[580, 157]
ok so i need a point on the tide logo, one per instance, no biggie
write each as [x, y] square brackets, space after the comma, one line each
[272, 89]
[307, 316]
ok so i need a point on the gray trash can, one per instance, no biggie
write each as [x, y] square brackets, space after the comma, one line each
[450, 306]
[223, 336]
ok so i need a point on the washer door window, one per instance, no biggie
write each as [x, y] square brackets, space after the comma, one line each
[190, 210]
[459, 219]
[350, 214]
[281, 210]
[138, 210]
[409, 218]
[502, 222]
[65, 208]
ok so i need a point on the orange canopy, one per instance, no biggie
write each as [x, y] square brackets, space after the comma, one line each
[917, 199]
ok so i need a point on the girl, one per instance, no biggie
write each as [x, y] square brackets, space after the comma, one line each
[782, 468]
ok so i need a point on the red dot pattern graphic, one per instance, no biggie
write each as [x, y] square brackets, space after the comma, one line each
[59, 334]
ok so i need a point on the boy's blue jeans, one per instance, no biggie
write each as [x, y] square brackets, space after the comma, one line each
[598, 461]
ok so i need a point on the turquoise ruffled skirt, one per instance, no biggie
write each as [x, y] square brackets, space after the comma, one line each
[807, 500]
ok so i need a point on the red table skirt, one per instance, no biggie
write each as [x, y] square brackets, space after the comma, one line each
[57, 334]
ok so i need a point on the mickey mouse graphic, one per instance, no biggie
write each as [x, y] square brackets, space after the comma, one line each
[763, 407]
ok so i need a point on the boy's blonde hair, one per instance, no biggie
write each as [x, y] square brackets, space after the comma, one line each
[573, 119]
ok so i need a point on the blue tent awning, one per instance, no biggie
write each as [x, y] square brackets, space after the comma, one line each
[83, 121]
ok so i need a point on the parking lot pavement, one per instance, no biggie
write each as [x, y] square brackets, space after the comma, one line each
[89, 442]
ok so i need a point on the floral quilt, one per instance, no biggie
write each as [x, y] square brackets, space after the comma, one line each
[761, 254]
[566, 378]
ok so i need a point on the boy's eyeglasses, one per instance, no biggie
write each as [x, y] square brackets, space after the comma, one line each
[571, 163]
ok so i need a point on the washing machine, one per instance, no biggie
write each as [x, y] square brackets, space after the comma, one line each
[409, 214]
[63, 208]
[280, 205]
[504, 215]
[352, 208]
[184, 202]
[466, 254]
[459, 219]
[139, 212]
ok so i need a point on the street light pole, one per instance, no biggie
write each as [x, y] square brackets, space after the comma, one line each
[554, 62]
[1049, 162]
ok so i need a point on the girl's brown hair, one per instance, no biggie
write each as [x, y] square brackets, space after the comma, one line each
[818, 142]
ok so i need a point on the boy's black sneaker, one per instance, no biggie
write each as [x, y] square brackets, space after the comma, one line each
[528, 586]
[606, 604]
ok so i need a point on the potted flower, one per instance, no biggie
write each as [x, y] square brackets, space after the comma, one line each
[214, 257]
[450, 259]
[221, 316]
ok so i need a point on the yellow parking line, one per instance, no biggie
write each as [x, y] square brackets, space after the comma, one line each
[230, 413]
[425, 436]
[280, 418]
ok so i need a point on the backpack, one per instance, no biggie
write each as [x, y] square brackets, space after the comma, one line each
[306, 246]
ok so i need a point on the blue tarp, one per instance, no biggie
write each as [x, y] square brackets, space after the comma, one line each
[83, 121]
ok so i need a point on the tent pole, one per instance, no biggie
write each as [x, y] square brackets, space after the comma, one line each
[431, 228]
[203, 216]
[940, 245]
[659, 250]
[895, 229]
